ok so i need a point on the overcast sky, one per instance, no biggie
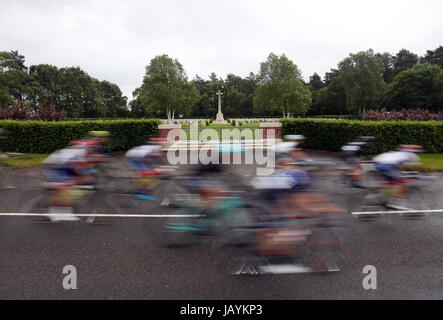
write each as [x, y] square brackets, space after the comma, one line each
[115, 40]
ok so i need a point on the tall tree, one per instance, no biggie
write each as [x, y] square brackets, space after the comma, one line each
[388, 62]
[207, 104]
[14, 78]
[363, 83]
[12, 60]
[404, 60]
[113, 99]
[331, 75]
[418, 87]
[166, 88]
[79, 94]
[280, 88]
[434, 57]
[315, 82]
[330, 99]
[48, 78]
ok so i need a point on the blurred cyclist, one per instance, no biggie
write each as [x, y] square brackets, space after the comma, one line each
[351, 153]
[147, 160]
[142, 158]
[388, 164]
[291, 146]
[70, 167]
[290, 198]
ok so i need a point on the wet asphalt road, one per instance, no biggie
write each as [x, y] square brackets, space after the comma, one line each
[124, 260]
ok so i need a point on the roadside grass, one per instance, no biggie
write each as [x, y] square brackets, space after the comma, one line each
[430, 162]
[23, 160]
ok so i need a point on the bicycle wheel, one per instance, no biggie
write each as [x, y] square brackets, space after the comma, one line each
[236, 228]
[166, 193]
[237, 260]
[181, 231]
[372, 202]
[420, 199]
[36, 202]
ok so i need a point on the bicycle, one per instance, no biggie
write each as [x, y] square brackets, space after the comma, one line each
[420, 196]
[313, 253]
[196, 219]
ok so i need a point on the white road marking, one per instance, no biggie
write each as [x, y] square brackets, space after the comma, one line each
[396, 212]
[18, 214]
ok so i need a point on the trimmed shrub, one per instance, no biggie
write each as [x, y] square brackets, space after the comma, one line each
[344, 116]
[331, 135]
[46, 137]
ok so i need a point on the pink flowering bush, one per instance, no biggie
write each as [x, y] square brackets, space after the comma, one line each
[404, 114]
[19, 112]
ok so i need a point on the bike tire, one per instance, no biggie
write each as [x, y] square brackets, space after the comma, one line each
[36, 203]
[180, 231]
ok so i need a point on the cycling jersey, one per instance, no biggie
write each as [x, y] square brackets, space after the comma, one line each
[283, 180]
[354, 147]
[388, 163]
[60, 165]
[143, 151]
[137, 157]
[67, 156]
[397, 158]
[286, 147]
[352, 151]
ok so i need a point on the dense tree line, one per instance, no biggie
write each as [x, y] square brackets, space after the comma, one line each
[362, 81]
[369, 80]
[70, 89]
[277, 90]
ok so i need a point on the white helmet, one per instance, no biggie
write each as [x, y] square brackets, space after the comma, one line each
[294, 137]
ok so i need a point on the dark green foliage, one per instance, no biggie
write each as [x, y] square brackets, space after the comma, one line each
[418, 87]
[331, 135]
[345, 116]
[46, 137]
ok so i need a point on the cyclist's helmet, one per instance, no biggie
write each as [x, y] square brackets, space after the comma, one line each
[409, 148]
[294, 137]
[87, 144]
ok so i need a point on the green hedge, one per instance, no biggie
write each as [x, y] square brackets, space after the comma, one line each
[331, 135]
[46, 137]
[345, 116]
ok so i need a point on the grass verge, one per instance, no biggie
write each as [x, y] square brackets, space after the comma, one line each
[431, 162]
[23, 160]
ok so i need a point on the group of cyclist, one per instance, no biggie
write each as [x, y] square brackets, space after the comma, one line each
[288, 192]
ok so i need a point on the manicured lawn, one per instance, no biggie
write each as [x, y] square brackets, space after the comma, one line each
[227, 125]
[432, 161]
[251, 125]
[24, 159]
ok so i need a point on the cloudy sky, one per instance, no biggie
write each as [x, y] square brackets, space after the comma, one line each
[115, 40]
